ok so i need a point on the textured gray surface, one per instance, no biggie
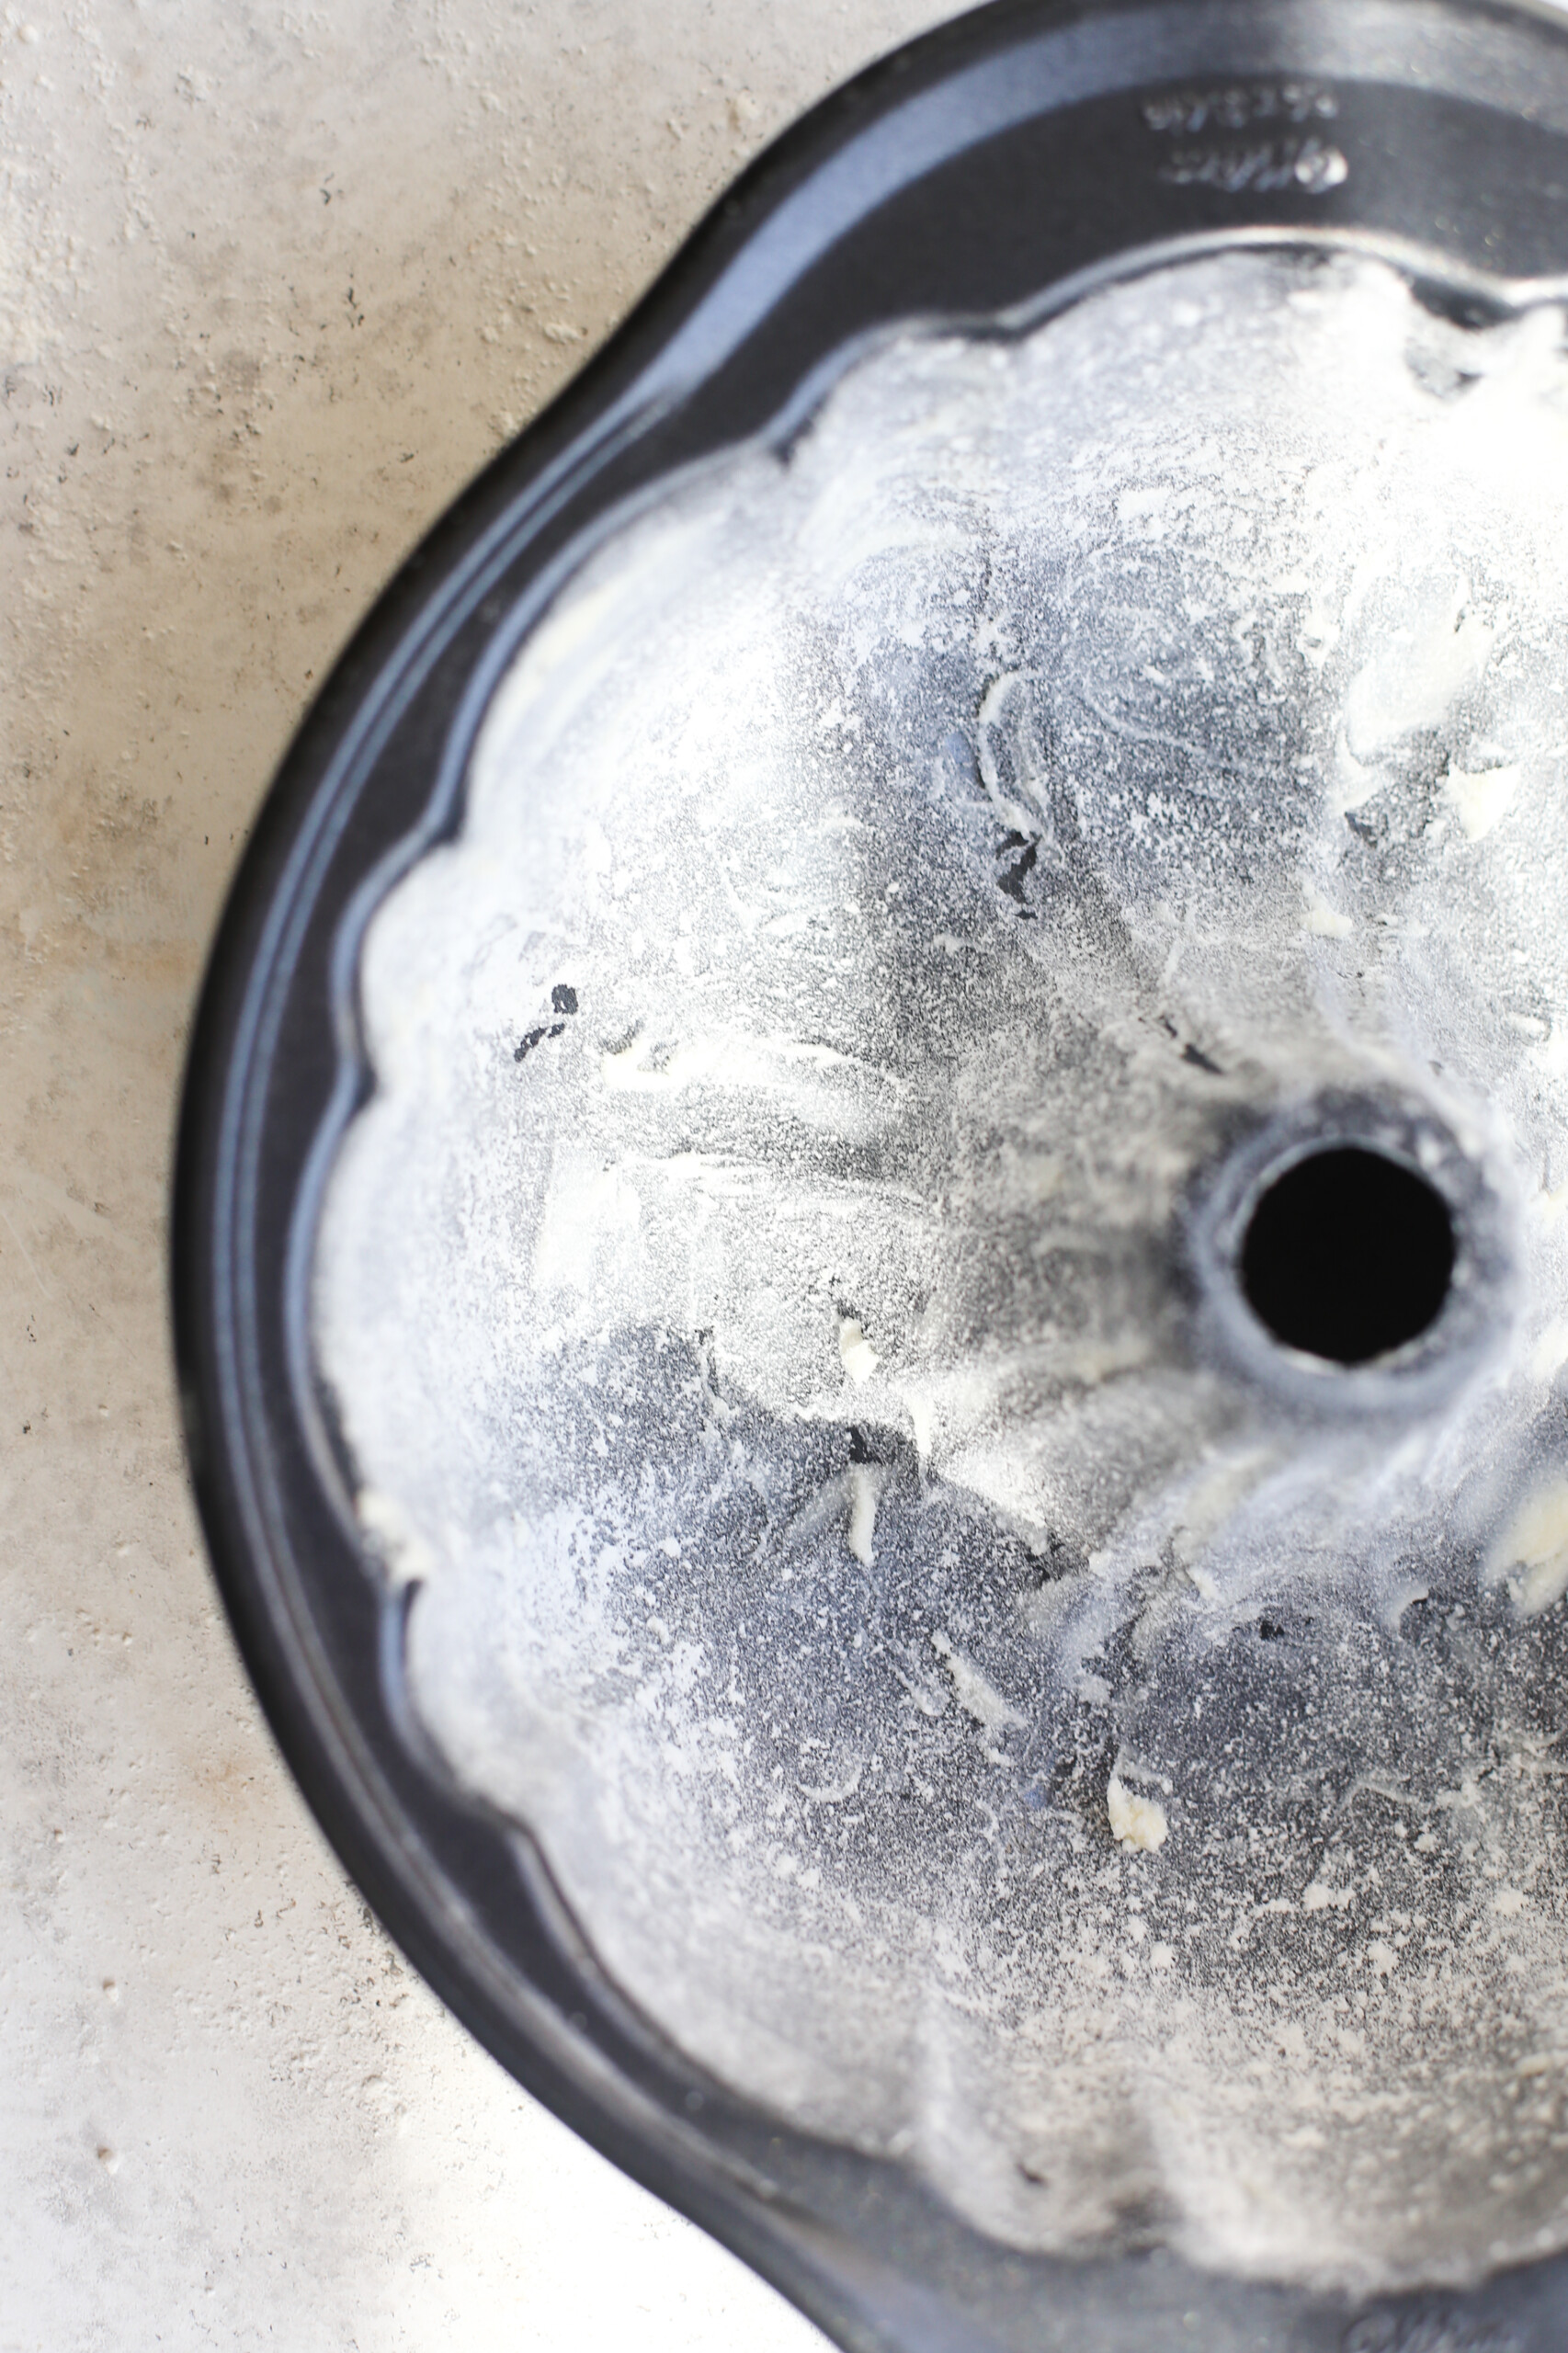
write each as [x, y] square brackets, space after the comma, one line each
[274, 282]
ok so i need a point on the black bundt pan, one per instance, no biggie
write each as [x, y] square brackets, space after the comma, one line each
[1000, 165]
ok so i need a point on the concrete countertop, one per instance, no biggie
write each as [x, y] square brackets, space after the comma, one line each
[276, 280]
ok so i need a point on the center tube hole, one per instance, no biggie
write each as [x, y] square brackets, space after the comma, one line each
[1347, 1255]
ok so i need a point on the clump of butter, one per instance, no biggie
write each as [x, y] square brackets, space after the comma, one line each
[1531, 1556]
[1136, 1821]
[857, 1356]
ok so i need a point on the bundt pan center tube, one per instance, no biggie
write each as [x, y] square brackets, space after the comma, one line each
[869, 1267]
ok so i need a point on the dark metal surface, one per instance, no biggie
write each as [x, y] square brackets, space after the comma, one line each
[986, 174]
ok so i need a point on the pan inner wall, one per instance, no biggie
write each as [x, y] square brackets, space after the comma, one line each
[979, 1697]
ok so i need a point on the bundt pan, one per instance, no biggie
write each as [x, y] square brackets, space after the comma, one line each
[868, 1250]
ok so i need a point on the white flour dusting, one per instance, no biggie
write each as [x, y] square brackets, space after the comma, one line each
[968, 1700]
